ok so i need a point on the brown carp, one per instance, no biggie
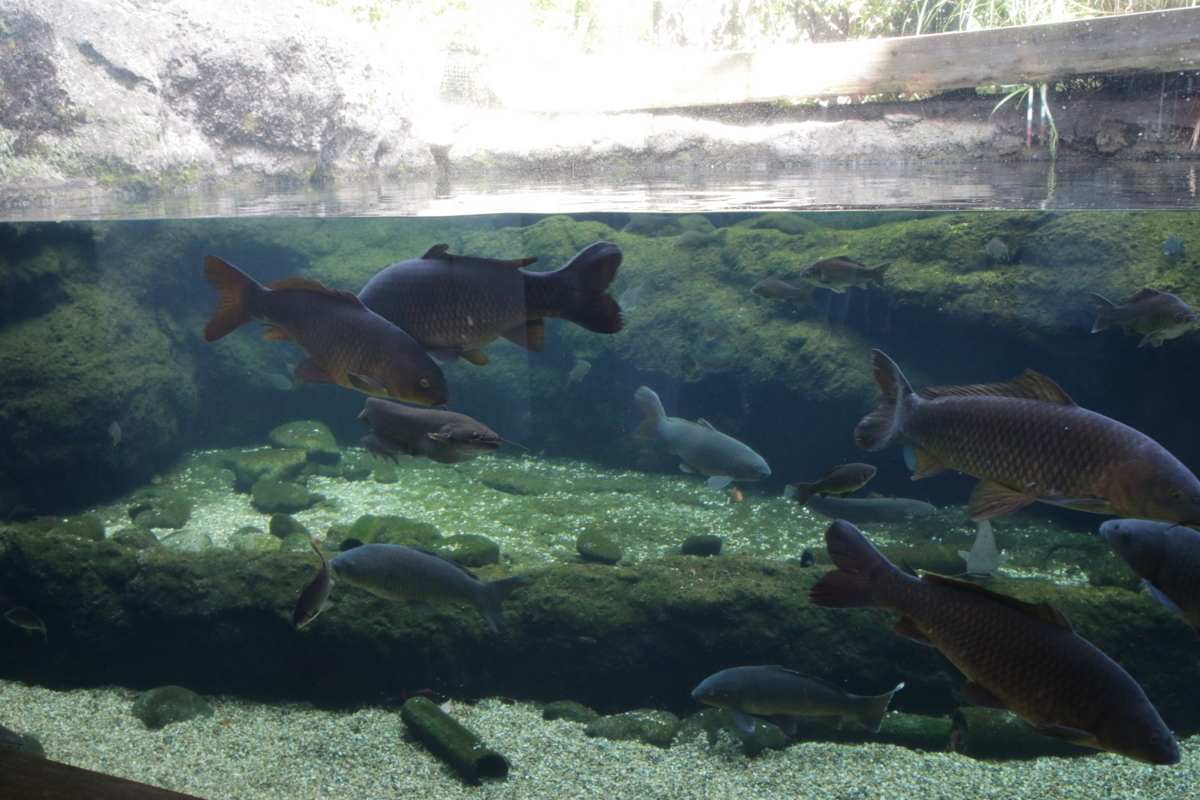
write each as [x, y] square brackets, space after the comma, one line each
[1166, 557]
[1015, 655]
[346, 343]
[443, 436]
[842, 479]
[453, 305]
[840, 271]
[1026, 440]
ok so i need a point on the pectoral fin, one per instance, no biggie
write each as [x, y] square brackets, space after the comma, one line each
[365, 384]
[743, 720]
[718, 482]
[310, 371]
[925, 463]
[990, 500]
[976, 695]
[1066, 733]
[1163, 600]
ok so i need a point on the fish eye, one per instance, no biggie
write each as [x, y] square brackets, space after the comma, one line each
[1177, 496]
[424, 383]
[1155, 738]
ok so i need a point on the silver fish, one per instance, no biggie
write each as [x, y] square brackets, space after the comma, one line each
[841, 271]
[1173, 247]
[861, 510]
[26, 619]
[577, 372]
[629, 298]
[442, 436]
[114, 433]
[984, 559]
[702, 448]
[1157, 315]
[315, 597]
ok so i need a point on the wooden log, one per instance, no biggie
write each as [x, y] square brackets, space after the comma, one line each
[32, 778]
[1156, 40]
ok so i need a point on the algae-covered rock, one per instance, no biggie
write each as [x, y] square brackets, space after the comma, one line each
[646, 725]
[253, 541]
[296, 543]
[314, 438]
[166, 704]
[712, 721]
[784, 222]
[384, 472]
[277, 465]
[85, 526]
[271, 497]
[356, 468]
[470, 549]
[168, 512]
[187, 541]
[136, 537]
[284, 525]
[392, 529]
[592, 545]
[701, 545]
[570, 711]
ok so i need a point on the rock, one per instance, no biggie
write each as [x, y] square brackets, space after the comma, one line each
[595, 546]
[701, 545]
[171, 512]
[283, 526]
[187, 541]
[646, 725]
[277, 465]
[253, 541]
[711, 721]
[166, 704]
[356, 468]
[270, 497]
[784, 222]
[296, 543]
[385, 472]
[470, 549]
[570, 711]
[391, 529]
[314, 438]
[136, 537]
[82, 527]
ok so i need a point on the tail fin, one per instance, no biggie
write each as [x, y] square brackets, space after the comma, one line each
[877, 273]
[652, 407]
[494, 594]
[857, 560]
[874, 710]
[801, 492]
[587, 278]
[231, 284]
[881, 427]
[1104, 312]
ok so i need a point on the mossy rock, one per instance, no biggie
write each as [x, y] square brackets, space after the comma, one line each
[277, 465]
[356, 468]
[593, 545]
[170, 512]
[187, 541]
[81, 527]
[284, 525]
[570, 711]
[255, 541]
[782, 221]
[135, 536]
[314, 438]
[701, 545]
[279, 497]
[296, 543]
[470, 549]
[166, 704]
[711, 722]
[384, 472]
[646, 725]
[392, 529]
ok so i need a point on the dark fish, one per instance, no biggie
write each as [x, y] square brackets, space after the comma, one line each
[345, 343]
[839, 480]
[867, 509]
[1015, 655]
[1166, 557]
[19, 513]
[807, 559]
[454, 305]
[1157, 315]
[422, 578]
[839, 272]
[984, 559]
[443, 436]
[997, 249]
[1025, 440]
[781, 694]
[26, 619]
[779, 290]
[315, 597]
[1172, 247]
[702, 448]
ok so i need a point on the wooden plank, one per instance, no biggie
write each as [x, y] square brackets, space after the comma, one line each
[1156, 40]
[26, 777]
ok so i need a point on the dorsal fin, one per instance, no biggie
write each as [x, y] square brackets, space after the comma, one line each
[702, 422]
[1032, 385]
[314, 286]
[436, 554]
[438, 251]
[1043, 611]
[807, 677]
[1144, 294]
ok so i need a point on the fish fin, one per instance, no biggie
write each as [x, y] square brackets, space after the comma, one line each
[476, 357]
[876, 709]
[881, 427]
[908, 628]
[1043, 611]
[530, 334]
[688, 468]
[1096, 505]
[787, 722]
[365, 383]
[1067, 733]
[1144, 294]
[493, 595]
[1104, 312]
[702, 422]
[316, 286]
[437, 251]
[437, 437]
[421, 607]
[743, 720]
[232, 285]
[976, 695]
[274, 333]
[925, 463]
[1033, 385]
[586, 279]
[310, 371]
[990, 500]
[907, 568]
[445, 355]
[801, 492]
[382, 449]
[877, 273]
[1154, 338]
[718, 481]
[850, 585]
[1163, 600]
[652, 407]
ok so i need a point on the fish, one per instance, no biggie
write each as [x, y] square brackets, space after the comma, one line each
[577, 372]
[1167, 559]
[997, 249]
[842, 479]
[629, 298]
[782, 694]
[10, 738]
[839, 272]
[701, 447]
[27, 620]
[345, 342]
[114, 433]
[779, 290]
[984, 559]
[1015, 655]
[867, 509]
[1156, 315]
[19, 513]
[1027, 441]
[1173, 247]
[442, 436]
[453, 305]
[419, 577]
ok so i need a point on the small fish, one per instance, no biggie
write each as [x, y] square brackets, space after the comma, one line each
[1026, 440]
[1015, 655]
[1166, 557]
[315, 597]
[442, 436]
[807, 559]
[26, 619]
[997, 249]
[577, 372]
[691, 240]
[736, 495]
[861, 510]
[839, 272]
[702, 448]
[782, 694]
[984, 560]
[274, 380]
[345, 343]
[629, 298]
[453, 305]
[839, 480]
[114, 433]
[1173, 247]
[1157, 315]
[780, 290]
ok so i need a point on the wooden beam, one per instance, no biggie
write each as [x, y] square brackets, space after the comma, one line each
[1157, 40]
[26, 777]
